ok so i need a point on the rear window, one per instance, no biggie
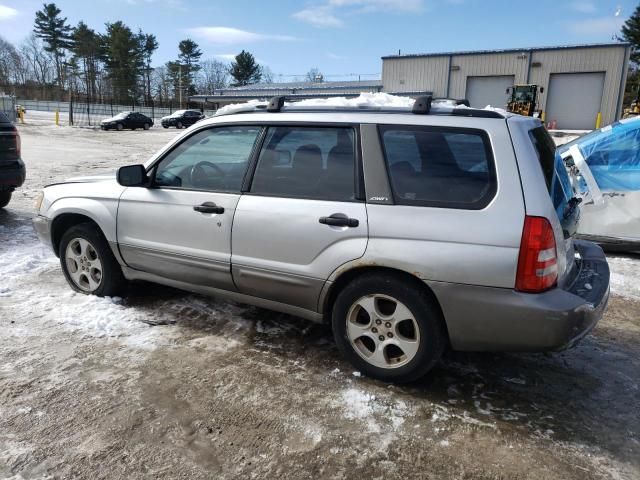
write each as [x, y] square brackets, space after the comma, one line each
[439, 167]
[555, 173]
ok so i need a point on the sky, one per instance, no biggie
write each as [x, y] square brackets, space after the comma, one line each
[343, 38]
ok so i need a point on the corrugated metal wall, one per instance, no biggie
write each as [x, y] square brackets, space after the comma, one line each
[529, 66]
[484, 65]
[418, 74]
[606, 59]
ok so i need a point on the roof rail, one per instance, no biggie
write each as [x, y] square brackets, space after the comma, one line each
[422, 105]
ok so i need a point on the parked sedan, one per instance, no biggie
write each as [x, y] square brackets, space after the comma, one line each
[129, 120]
[182, 118]
[12, 171]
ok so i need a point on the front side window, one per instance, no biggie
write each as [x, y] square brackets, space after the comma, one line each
[213, 159]
[439, 167]
[307, 162]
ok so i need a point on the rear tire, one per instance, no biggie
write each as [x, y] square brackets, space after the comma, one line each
[388, 328]
[88, 263]
[5, 198]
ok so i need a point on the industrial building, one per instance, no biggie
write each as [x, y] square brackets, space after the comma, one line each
[579, 82]
[583, 84]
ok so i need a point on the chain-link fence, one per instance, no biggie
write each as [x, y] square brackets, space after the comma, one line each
[8, 106]
[91, 114]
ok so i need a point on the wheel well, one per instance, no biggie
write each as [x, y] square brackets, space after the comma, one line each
[354, 273]
[64, 222]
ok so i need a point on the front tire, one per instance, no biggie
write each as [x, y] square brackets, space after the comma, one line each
[179, 125]
[88, 262]
[5, 198]
[119, 127]
[388, 328]
[146, 126]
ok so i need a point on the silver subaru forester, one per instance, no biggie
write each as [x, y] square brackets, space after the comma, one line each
[410, 230]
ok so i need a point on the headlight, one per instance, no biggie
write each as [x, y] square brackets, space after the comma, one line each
[39, 199]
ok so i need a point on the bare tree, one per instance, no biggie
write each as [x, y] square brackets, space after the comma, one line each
[213, 76]
[314, 75]
[267, 74]
[161, 84]
[39, 61]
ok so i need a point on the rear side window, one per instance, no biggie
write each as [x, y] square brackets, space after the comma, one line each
[307, 162]
[555, 173]
[439, 167]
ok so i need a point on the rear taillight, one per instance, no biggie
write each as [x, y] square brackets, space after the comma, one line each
[538, 260]
[18, 143]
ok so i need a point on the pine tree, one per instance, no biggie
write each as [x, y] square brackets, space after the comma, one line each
[123, 61]
[245, 70]
[56, 34]
[631, 33]
[86, 46]
[148, 45]
[189, 59]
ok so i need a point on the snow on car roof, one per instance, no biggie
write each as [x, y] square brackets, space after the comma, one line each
[373, 101]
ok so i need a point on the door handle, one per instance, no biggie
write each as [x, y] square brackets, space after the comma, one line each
[339, 220]
[208, 207]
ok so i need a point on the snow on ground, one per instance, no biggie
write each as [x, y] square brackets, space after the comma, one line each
[22, 256]
[625, 276]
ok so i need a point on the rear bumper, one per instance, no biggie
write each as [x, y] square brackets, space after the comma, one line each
[12, 176]
[496, 319]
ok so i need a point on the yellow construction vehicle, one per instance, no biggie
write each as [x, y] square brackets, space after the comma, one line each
[632, 110]
[524, 100]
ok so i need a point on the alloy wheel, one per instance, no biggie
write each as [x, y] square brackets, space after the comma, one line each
[383, 331]
[83, 265]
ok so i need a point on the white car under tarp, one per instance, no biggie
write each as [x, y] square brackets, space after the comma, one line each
[605, 171]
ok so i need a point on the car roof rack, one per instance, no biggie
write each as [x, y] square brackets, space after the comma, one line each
[423, 105]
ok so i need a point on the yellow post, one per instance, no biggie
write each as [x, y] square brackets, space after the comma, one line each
[598, 120]
[57, 117]
[542, 116]
[21, 115]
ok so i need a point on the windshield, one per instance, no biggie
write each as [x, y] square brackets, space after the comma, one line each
[613, 155]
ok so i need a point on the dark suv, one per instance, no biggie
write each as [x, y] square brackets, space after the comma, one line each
[182, 118]
[130, 120]
[12, 171]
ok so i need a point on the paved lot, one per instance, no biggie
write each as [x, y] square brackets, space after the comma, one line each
[165, 384]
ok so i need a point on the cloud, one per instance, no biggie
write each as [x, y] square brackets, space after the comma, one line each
[327, 14]
[596, 26]
[583, 6]
[334, 56]
[234, 36]
[381, 5]
[228, 57]
[7, 13]
[320, 16]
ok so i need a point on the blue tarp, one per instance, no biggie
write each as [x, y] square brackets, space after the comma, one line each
[613, 155]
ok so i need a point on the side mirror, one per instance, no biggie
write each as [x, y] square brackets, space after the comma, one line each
[541, 89]
[133, 176]
[508, 91]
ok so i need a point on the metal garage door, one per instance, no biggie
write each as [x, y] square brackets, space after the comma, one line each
[483, 91]
[574, 100]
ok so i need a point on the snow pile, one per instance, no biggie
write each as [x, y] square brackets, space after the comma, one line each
[239, 107]
[625, 276]
[373, 100]
[366, 407]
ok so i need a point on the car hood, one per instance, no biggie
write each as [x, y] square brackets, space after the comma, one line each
[92, 178]
[110, 119]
